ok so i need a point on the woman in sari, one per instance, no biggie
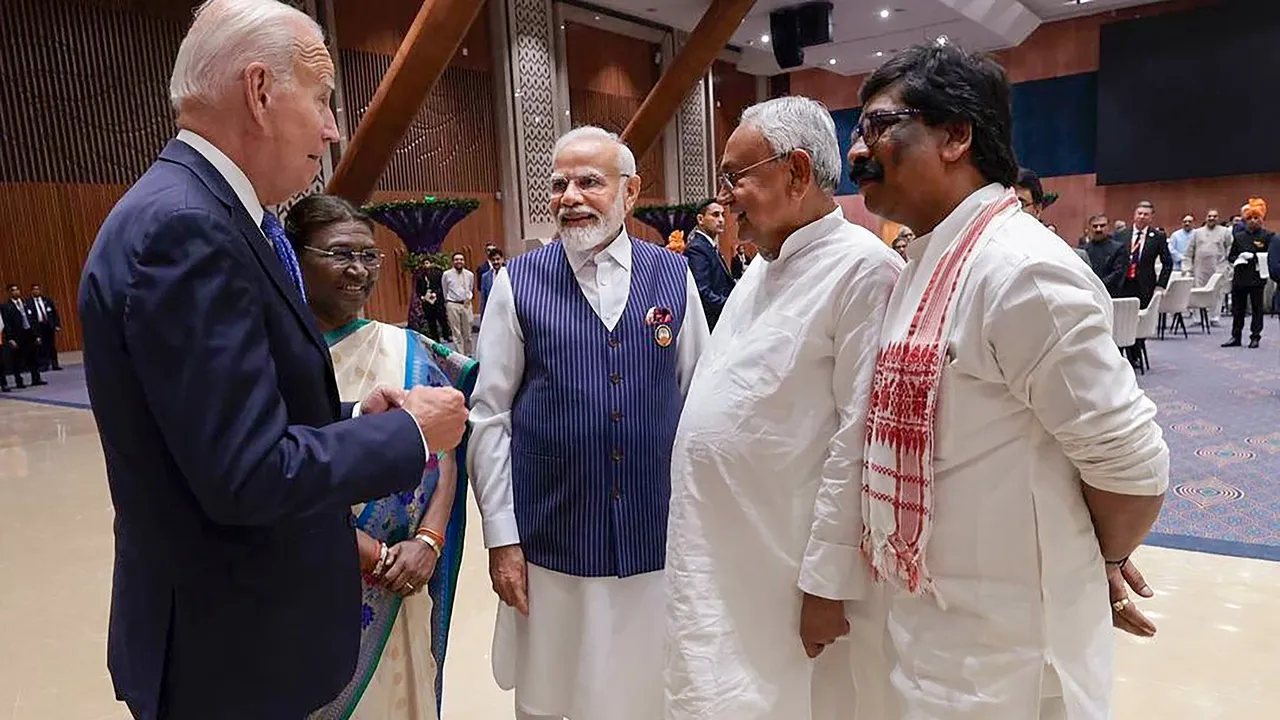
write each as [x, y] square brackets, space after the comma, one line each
[411, 543]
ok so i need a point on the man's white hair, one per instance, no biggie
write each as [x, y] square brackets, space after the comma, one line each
[800, 123]
[229, 35]
[626, 159]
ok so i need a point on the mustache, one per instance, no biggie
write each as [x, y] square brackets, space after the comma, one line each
[866, 169]
[579, 210]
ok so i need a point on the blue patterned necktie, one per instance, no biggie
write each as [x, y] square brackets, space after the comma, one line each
[284, 250]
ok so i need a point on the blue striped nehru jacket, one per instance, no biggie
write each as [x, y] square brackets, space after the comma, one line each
[593, 423]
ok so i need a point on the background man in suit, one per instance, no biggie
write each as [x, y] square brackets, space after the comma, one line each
[496, 260]
[48, 324]
[21, 337]
[435, 320]
[1247, 282]
[703, 253]
[739, 262]
[1107, 255]
[1145, 243]
[231, 462]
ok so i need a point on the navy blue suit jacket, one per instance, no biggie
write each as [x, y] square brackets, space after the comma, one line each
[236, 590]
[713, 279]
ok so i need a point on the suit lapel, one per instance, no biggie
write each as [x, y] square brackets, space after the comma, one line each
[179, 152]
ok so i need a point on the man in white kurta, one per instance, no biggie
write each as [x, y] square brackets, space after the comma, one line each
[585, 361]
[1207, 254]
[765, 509]
[1003, 515]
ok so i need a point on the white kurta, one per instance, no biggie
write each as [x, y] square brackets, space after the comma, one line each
[1207, 253]
[766, 486]
[591, 648]
[1035, 400]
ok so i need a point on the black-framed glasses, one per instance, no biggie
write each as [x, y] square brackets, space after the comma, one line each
[872, 125]
[729, 180]
[346, 257]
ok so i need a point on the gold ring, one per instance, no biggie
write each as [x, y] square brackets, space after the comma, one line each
[1121, 604]
[409, 585]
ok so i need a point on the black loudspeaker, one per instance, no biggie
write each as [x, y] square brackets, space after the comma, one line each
[793, 29]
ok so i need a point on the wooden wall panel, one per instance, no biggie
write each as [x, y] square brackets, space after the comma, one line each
[609, 77]
[45, 237]
[1082, 197]
[836, 91]
[390, 300]
[452, 145]
[357, 27]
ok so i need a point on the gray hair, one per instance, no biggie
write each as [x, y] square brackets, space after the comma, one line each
[800, 123]
[626, 158]
[229, 35]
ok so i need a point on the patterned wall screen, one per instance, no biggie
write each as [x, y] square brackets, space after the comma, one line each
[451, 145]
[86, 100]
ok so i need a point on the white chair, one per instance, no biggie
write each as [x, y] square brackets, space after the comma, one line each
[1205, 299]
[1147, 320]
[1176, 297]
[1124, 322]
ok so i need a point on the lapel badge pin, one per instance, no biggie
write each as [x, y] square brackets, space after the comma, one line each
[662, 335]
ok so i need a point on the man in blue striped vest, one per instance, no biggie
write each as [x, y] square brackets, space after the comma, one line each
[588, 346]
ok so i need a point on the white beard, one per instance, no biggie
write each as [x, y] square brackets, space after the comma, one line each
[587, 238]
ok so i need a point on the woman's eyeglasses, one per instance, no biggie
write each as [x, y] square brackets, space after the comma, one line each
[346, 257]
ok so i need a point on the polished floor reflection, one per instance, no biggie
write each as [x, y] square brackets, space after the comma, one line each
[1215, 655]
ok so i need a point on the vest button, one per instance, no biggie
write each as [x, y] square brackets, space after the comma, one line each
[616, 493]
[615, 378]
[614, 342]
[617, 455]
[616, 415]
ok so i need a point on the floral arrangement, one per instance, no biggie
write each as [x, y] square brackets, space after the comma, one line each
[421, 225]
[675, 241]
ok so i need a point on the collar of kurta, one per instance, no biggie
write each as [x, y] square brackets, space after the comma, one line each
[619, 250]
[805, 236]
[949, 229]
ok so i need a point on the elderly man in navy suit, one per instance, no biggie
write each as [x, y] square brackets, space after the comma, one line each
[231, 463]
[703, 253]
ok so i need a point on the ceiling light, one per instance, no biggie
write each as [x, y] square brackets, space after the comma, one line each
[832, 61]
[879, 53]
[764, 38]
[942, 40]
[884, 14]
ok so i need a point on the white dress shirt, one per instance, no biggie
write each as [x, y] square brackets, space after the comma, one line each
[605, 280]
[458, 285]
[1033, 401]
[766, 485]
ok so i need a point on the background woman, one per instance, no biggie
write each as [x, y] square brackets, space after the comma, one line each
[409, 541]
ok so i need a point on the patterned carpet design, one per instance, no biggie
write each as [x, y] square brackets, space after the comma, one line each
[1220, 410]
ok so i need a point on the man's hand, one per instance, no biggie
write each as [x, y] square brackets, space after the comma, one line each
[1124, 613]
[382, 399]
[822, 621]
[441, 414]
[509, 573]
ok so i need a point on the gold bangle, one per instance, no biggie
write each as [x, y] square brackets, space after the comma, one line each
[431, 542]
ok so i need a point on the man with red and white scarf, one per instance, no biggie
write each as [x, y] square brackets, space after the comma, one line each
[1012, 463]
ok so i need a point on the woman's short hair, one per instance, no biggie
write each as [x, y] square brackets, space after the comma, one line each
[314, 213]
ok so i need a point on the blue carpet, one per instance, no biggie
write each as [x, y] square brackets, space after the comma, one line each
[65, 389]
[1220, 410]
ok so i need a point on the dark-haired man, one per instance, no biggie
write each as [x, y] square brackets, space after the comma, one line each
[703, 253]
[1145, 243]
[21, 336]
[1012, 462]
[48, 324]
[1105, 255]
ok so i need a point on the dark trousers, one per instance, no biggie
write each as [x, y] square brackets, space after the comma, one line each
[1253, 296]
[437, 320]
[48, 355]
[23, 359]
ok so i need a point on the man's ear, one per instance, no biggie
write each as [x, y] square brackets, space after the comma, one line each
[633, 192]
[801, 171]
[258, 84]
[958, 140]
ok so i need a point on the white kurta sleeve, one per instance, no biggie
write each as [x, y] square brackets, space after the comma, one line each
[500, 352]
[694, 334]
[832, 566]
[1048, 328]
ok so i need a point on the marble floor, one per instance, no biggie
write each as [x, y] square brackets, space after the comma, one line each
[1215, 655]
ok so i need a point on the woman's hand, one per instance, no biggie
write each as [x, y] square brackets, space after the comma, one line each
[410, 565]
